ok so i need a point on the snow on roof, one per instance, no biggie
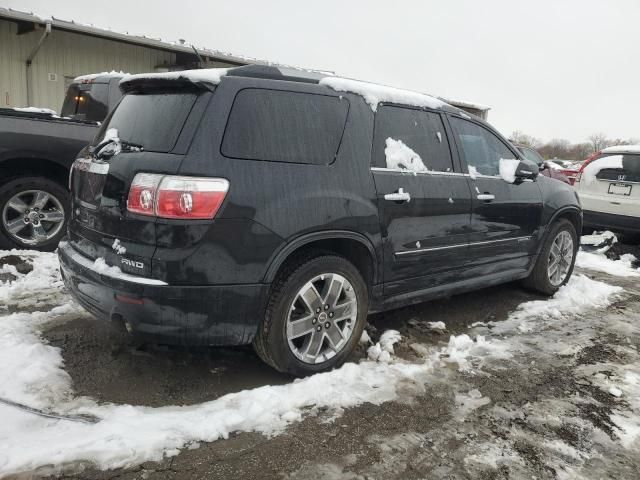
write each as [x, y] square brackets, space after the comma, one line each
[622, 149]
[373, 93]
[46, 111]
[93, 76]
[207, 75]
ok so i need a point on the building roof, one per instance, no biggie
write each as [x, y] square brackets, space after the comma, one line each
[72, 26]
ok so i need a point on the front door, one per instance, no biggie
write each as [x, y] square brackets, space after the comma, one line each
[506, 216]
[423, 199]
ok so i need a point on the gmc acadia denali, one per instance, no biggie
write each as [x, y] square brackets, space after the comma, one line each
[280, 207]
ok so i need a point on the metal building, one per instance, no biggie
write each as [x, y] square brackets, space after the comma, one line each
[40, 57]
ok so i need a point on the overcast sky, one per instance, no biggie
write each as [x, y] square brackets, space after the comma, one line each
[552, 69]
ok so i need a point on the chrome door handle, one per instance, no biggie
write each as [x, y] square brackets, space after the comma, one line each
[399, 196]
[487, 197]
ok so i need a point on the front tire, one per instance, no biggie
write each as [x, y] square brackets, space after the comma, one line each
[33, 213]
[315, 316]
[557, 258]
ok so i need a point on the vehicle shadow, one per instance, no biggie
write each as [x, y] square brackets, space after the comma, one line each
[110, 367]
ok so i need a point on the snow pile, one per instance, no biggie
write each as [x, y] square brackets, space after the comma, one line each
[508, 168]
[462, 348]
[92, 76]
[383, 350]
[204, 75]
[599, 262]
[576, 296]
[46, 111]
[44, 276]
[400, 156]
[593, 168]
[440, 326]
[111, 144]
[374, 94]
[598, 239]
[118, 248]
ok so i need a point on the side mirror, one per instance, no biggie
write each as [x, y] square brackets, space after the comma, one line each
[527, 170]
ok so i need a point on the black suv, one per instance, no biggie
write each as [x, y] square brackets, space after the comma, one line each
[281, 207]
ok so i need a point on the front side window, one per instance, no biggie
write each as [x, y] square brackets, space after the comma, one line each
[281, 126]
[410, 139]
[479, 147]
[532, 155]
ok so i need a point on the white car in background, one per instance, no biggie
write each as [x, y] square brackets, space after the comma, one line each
[608, 184]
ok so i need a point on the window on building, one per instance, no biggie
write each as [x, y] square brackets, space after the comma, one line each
[423, 132]
[281, 126]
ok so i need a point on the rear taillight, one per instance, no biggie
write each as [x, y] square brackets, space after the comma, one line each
[169, 196]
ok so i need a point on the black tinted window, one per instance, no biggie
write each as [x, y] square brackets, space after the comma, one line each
[151, 120]
[284, 126]
[479, 147]
[423, 132]
[87, 102]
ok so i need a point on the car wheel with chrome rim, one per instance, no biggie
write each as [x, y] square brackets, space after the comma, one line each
[316, 313]
[33, 213]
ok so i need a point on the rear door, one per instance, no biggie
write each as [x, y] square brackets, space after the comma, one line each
[424, 201]
[100, 183]
[506, 216]
[611, 184]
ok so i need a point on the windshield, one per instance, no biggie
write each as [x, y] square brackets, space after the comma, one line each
[151, 120]
[86, 101]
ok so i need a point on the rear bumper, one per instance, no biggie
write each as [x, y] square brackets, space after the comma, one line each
[186, 315]
[622, 223]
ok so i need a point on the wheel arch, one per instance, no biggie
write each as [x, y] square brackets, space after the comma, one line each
[353, 246]
[37, 167]
[572, 214]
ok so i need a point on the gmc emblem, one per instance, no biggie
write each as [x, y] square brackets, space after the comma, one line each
[132, 263]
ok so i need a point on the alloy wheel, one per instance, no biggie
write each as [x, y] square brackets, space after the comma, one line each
[321, 318]
[33, 217]
[560, 258]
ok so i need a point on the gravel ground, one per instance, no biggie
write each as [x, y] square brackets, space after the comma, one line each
[543, 412]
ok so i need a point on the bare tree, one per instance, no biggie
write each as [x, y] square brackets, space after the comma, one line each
[524, 139]
[598, 141]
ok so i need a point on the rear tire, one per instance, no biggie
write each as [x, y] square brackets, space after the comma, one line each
[541, 279]
[27, 228]
[334, 330]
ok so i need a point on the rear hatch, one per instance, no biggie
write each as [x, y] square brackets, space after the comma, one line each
[149, 132]
[611, 184]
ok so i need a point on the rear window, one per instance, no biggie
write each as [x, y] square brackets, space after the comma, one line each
[630, 171]
[153, 120]
[87, 101]
[283, 126]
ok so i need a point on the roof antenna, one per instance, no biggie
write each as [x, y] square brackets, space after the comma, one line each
[198, 55]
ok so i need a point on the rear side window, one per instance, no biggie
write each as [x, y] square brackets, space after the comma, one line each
[479, 147]
[398, 129]
[280, 126]
[153, 120]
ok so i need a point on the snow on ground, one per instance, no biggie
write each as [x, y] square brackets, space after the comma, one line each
[599, 262]
[127, 435]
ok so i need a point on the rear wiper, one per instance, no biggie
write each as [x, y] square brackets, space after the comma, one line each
[124, 145]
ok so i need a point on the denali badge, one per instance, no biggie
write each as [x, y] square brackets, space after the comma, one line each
[132, 263]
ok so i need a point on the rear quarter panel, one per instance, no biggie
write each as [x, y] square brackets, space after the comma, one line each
[270, 204]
